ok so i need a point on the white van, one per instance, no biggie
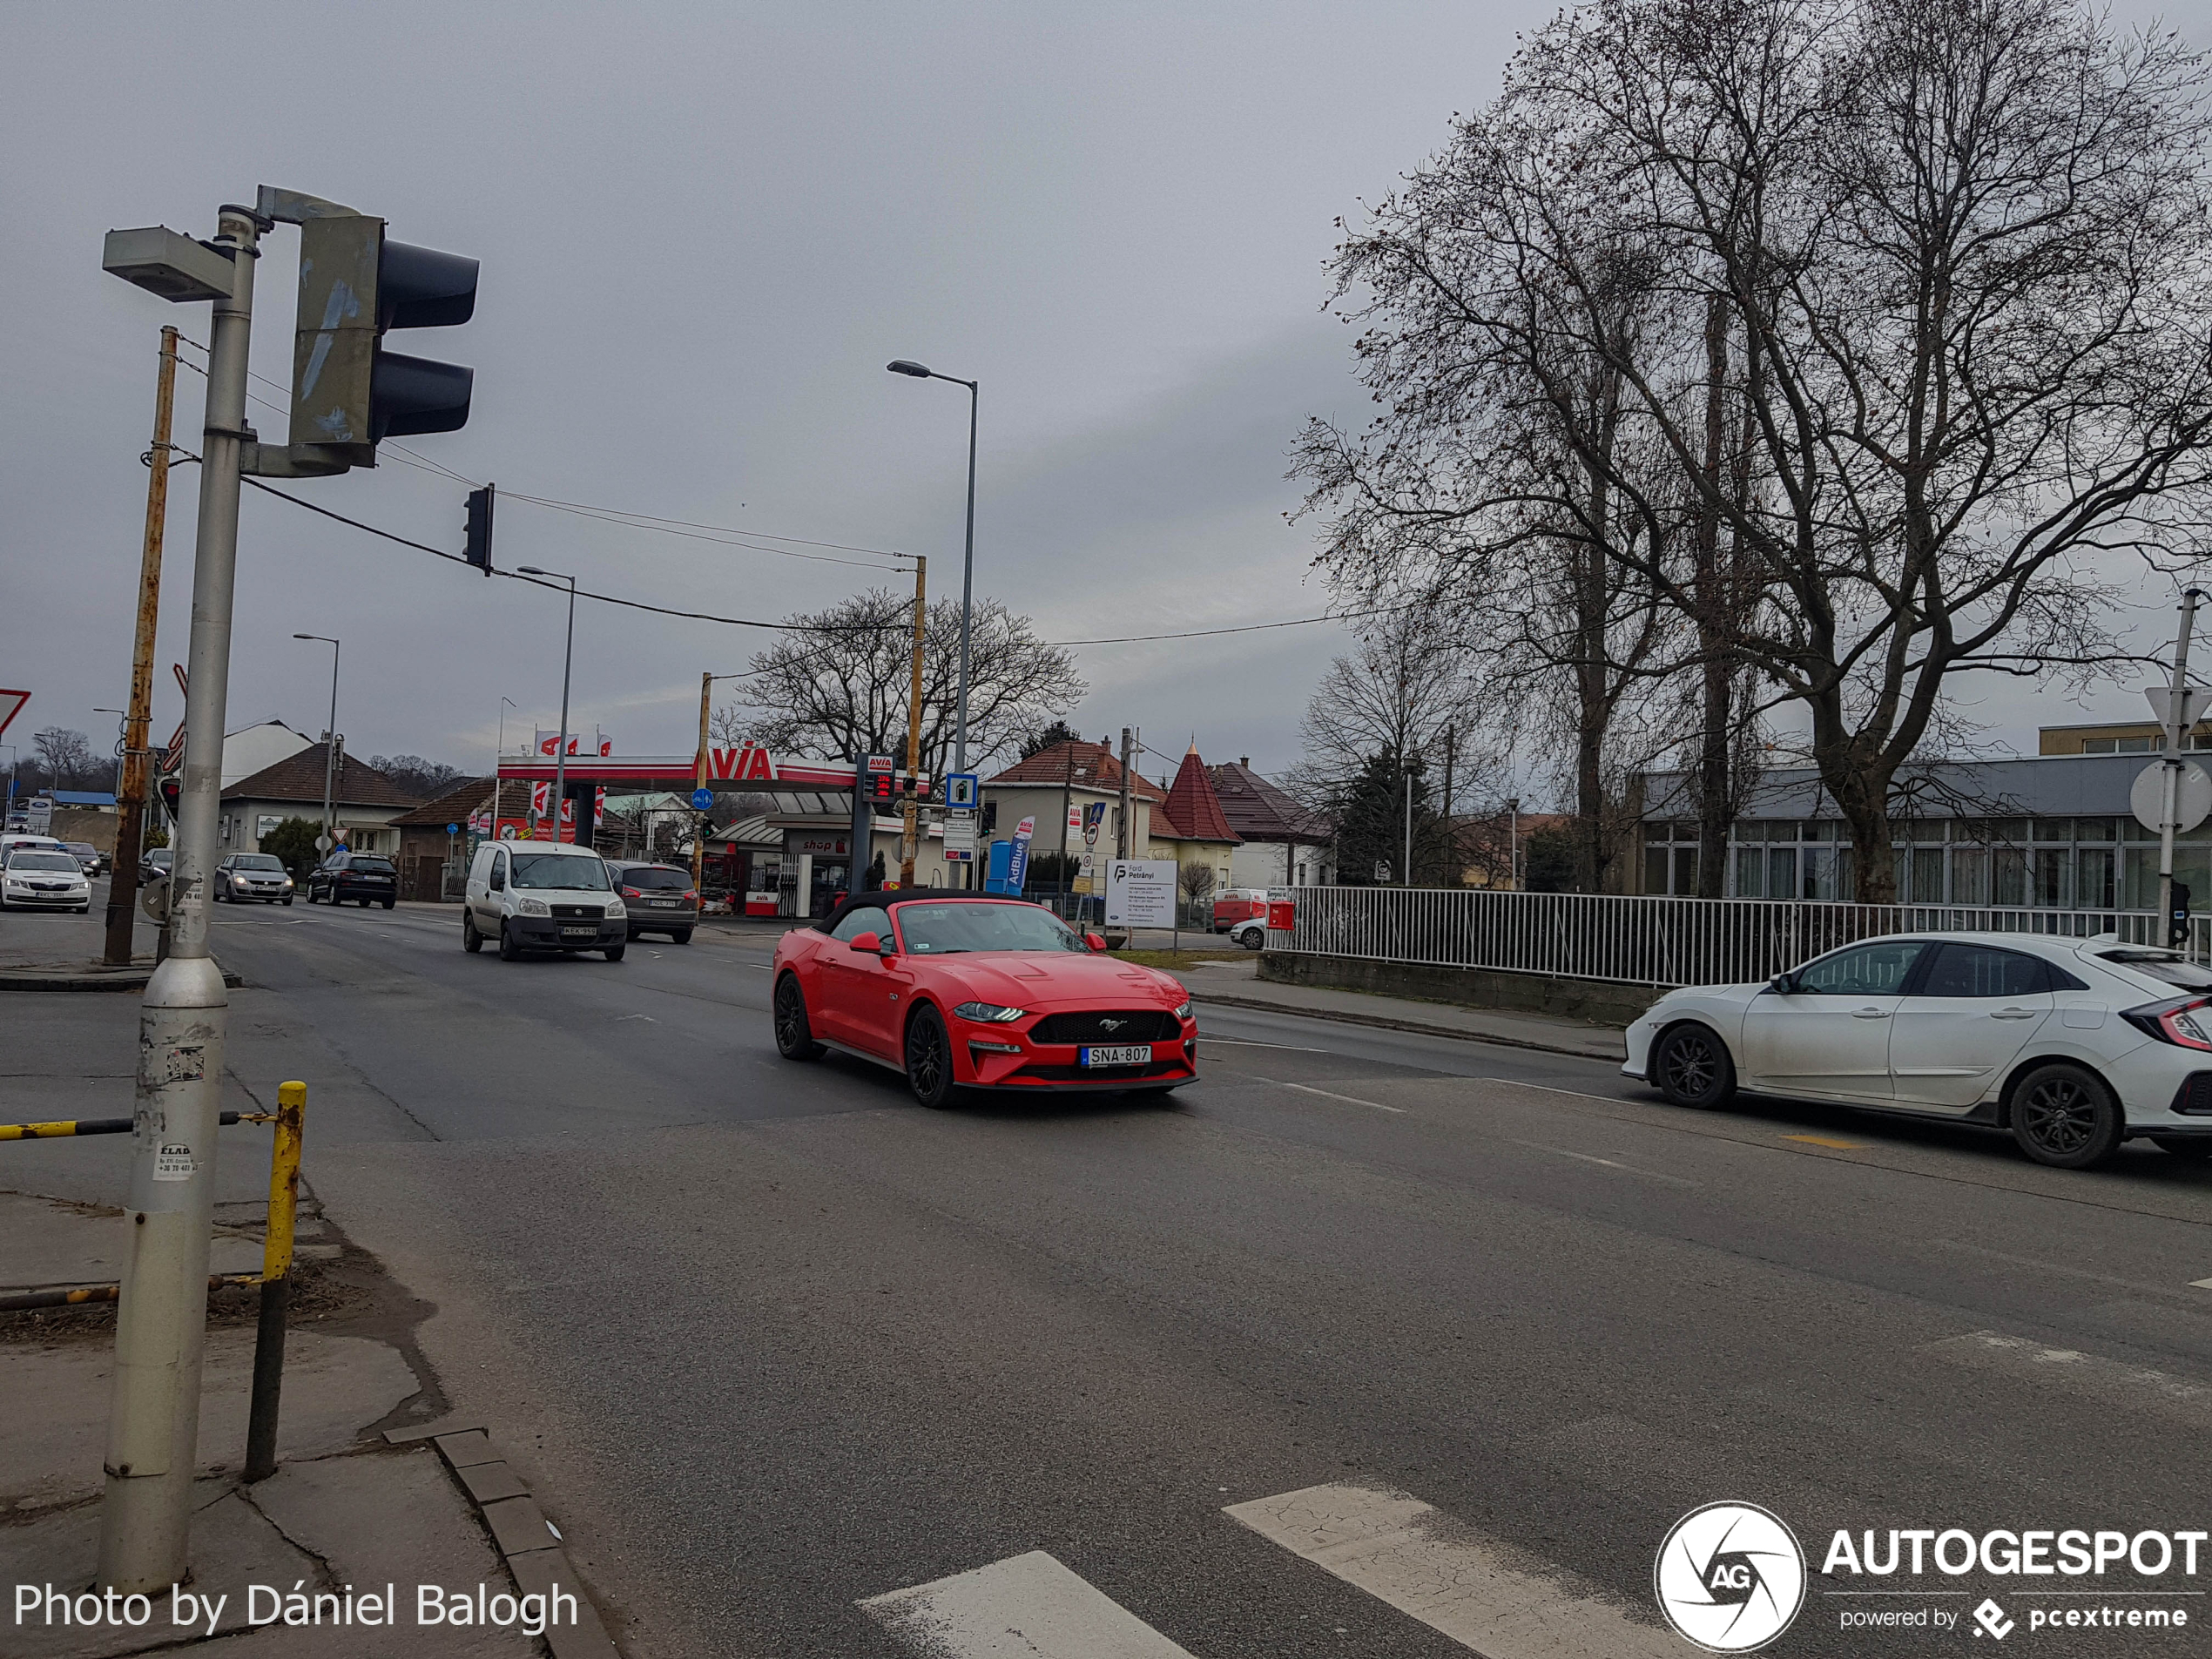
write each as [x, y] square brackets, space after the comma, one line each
[542, 896]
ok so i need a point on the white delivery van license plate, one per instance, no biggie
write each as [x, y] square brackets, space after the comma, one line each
[1128, 1053]
[579, 933]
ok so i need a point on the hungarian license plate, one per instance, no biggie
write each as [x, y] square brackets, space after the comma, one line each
[1128, 1054]
[579, 933]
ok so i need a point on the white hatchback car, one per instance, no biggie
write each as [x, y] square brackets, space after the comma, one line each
[2074, 1045]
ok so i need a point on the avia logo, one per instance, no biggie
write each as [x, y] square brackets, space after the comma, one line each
[1729, 1577]
[1991, 1618]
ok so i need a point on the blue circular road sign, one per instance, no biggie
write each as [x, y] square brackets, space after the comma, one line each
[702, 798]
[453, 829]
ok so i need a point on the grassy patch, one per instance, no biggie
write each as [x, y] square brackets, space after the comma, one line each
[1172, 960]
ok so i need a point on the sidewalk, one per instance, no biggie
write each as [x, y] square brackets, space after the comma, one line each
[1238, 985]
[362, 1497]
[44, 950]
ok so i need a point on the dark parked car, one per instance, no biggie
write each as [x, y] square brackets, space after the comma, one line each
[90, 858]
[660, 897]
[365, 878]
[154, 863]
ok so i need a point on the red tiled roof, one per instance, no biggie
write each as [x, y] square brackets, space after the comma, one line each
[298, 777]
[1092, 765]
[1192, 809]
[452, 807]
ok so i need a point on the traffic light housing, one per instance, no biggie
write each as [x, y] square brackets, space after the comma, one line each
[478, 547]
[2177, 918]
[348, 392]
[172, 790]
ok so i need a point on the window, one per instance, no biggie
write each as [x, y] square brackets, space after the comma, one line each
[1782, 873]
[1686, 871]
[2093, 883]
[947, 929]
[650, 877]
[2054, 878]
[868, 919]
[257, 861]
[2011, 876]
[2161, 965]
[1980, 971]
[1866, 970]
[1927, 875]
[44, 862]
[2053, 829]
[1654, 869]
[1751, 872]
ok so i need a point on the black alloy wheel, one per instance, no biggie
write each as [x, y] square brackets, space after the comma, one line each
[2066, 1118]
[471, 940]
[1692, 1068]
[794, 1035]
[929, 1057]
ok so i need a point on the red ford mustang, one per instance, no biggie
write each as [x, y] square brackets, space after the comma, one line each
[973, 990]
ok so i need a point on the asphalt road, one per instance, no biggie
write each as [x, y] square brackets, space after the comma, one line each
[770, 1341]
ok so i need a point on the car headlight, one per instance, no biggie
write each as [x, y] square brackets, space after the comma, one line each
[1183, 1013]
[287, 884]
[533, 907]
[989, 1013]
[615, 912]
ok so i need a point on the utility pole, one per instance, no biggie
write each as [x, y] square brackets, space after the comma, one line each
[699, 781]
[130, 802]
[329, 751]
[1125, 830]
[910, 845]
[568, 661]
[1408, 880]
[1453, 870]
[2177, 723]
[161, 1319]
[1066, 795]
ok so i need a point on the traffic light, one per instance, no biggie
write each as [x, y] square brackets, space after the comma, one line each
[172, 790]
[348, 392]
[2177, 918]
[478, 547]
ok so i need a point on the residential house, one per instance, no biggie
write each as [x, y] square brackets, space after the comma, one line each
[255, 748]
[425, 846]
[1191, 827]
[1074, 775]
[1282, 844]
[365, 802]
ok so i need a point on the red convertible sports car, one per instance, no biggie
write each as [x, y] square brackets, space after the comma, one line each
[976, 991]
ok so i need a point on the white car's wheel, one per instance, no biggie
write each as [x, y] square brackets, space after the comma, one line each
[1692, 1066]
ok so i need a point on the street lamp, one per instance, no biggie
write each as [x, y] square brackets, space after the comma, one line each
[329, 751]
[905, 366]
[561, 747]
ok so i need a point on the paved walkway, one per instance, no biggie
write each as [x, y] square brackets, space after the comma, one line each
[1238, 985]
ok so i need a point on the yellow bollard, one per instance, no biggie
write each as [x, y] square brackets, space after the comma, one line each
[276, 1280]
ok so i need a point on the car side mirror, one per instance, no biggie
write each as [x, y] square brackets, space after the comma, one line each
[871, 943]
[1782, 984]
[1096, 941]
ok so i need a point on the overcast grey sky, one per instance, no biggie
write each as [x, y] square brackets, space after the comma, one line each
[704, 229]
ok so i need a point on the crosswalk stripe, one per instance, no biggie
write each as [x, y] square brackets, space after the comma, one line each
[1026, 1606]
[1416, 1558]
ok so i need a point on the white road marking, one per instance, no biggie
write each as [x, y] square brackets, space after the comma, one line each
[2109, 1383]
[1610, 1163]
[2201, 1284]
[1414, 1556]
[1026, 1606]
[1246, 1042]
[1308, 1089]
[1579, 1093]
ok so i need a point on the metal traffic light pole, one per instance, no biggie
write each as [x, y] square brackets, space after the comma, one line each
[161, 1320]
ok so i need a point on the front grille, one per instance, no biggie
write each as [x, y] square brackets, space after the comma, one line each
[2194, 1096]
[580, 911]
[1112, 1025]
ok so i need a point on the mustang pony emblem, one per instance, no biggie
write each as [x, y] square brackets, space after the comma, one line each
[1111, 1025]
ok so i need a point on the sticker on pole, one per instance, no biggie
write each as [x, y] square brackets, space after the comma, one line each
[172, 1161]
[2192, 796]
[184, 1065]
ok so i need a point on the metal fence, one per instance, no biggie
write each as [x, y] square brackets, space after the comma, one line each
[1647, 940]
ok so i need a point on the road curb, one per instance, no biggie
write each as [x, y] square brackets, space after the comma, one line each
[527, 1541]
[1344, 1017]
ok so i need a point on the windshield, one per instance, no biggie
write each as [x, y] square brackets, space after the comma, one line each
[643, 879]
[947, 929]
[2161, 965]
[559, 870]
[159, 855]
[257, 861]
[43, 861]
[82, 848]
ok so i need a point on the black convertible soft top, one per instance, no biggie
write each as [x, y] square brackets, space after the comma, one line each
[884, 898]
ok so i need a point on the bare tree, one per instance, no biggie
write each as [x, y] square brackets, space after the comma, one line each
[1408, 683]
[67, 760]
[841, 687]
[1961, 246]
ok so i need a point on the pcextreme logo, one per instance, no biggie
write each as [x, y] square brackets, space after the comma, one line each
[1729, 1577]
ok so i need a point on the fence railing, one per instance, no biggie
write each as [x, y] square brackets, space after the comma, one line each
[1649, 940]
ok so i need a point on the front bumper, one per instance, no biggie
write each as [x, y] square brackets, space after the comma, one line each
[65, 898]
[264, 894]
[550, 933]
[1057, 1066]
